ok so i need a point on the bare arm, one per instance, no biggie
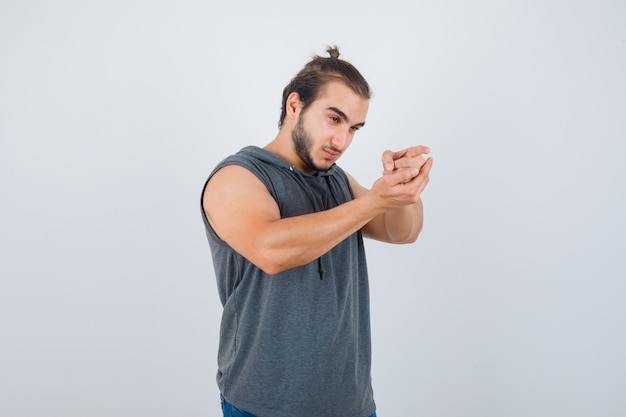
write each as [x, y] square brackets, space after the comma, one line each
[244, 214]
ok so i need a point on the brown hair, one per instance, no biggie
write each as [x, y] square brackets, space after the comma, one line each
[317, 73]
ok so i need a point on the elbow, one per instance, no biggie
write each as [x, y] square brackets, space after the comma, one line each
[266, 265]
[408, 237]
[273, 257]
[415, 234]
[412, 239]
[268, 261]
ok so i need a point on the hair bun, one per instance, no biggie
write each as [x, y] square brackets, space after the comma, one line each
[333, 51]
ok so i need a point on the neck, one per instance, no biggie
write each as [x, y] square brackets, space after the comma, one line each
[283, 147]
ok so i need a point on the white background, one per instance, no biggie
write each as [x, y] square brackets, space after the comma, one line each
[112, 113]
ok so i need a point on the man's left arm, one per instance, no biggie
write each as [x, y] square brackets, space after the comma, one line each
[400, 224]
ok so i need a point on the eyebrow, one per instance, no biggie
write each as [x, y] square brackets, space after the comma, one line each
[344, 116]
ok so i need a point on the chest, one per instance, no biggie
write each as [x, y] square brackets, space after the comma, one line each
[297, 195]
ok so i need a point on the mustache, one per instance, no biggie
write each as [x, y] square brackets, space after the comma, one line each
[332, 149]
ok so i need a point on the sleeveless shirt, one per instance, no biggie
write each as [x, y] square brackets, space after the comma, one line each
[297, 343]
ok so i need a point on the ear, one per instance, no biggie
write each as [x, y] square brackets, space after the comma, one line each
[294, 105]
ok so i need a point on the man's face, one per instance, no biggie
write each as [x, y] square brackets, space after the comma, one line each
[326, 129]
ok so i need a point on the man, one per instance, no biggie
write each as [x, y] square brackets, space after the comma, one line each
[285, 227]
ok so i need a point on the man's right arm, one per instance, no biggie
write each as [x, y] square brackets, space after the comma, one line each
[243, 214]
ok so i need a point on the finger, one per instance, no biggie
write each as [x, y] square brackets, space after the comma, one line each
[429, 164]
[388, 164]
[418, 150]
[413, 156]
[412, 152]
[424, 173]
[403, 176]
[408, 162]
[424, 176]
[405, 158]
[400, 154]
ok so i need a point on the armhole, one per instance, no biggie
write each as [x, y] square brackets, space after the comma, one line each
[205, 218]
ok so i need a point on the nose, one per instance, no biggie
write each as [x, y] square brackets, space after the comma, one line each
[341, 139]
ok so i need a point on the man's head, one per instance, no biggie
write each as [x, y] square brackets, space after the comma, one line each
[322, 133]
[323, 106]
[317, 73]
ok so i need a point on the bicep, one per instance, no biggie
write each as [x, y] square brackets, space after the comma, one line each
[238, 207]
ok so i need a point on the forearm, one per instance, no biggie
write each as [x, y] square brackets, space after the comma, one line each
[296, 241]
[404, 224]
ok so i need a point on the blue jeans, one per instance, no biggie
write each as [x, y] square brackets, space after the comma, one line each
[230, 410]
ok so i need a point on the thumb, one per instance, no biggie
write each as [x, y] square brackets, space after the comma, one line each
[388, 164]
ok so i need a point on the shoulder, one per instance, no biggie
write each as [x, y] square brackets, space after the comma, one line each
[231, 182]
[233, 197]
[235, 179]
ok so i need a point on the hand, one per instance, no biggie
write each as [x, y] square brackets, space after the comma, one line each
[405, 175]
[407, 158]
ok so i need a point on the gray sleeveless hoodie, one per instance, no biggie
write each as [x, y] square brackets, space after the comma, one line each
[295, 344]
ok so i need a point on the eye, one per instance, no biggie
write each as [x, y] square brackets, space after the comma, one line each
[334, 119]
[355, 128]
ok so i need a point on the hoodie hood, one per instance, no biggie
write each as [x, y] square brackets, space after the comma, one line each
[272, 158]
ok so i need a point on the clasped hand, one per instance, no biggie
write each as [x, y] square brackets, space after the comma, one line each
[405, 175]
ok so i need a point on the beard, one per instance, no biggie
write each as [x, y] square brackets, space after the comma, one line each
[303, 143]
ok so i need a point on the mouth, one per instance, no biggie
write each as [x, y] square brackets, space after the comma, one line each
[330, 154]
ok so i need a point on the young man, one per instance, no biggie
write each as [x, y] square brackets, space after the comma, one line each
[285, 227]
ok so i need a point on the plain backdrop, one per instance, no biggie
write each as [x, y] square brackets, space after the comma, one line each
[112, 114]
